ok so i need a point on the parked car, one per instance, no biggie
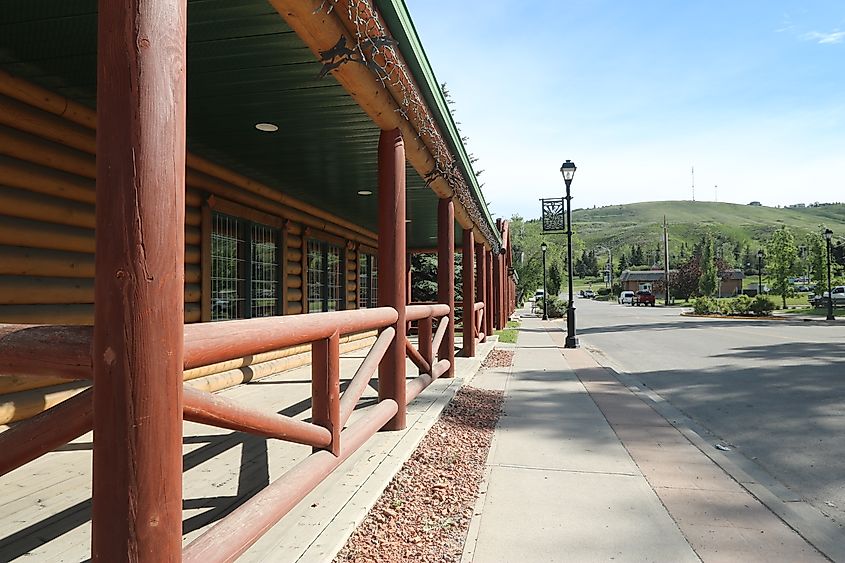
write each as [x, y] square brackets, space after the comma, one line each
[588, 293]
[644, 297]
[626, 297]
[838, 298]
[538, 295]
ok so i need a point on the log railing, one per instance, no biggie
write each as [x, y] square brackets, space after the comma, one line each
[66, 351]
[424, 357]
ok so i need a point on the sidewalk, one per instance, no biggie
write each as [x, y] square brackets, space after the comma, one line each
[581, 469]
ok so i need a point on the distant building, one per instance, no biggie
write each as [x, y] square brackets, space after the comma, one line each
[756, 204]
[642, 280]
[731, 281]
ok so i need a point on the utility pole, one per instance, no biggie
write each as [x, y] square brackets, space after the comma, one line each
[666, 258]
[693, 183]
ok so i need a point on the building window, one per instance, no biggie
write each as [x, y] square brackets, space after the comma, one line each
[265, 271]
[244, 269]
[367, 281]
[325, 277]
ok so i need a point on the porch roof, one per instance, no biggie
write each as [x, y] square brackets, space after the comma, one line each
[247, 66]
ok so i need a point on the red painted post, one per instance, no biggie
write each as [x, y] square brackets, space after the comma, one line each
[409, 297]
[325, 387]
[481, 283]
[424, 337]
[409, 282]
[139, 287]
[446, 277]
[467, 261]
[391, 261]
[488, 289]
[497, 291]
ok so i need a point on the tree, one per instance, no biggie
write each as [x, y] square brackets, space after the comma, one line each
[423, 277]
[684, 282]
[782, 258]
[817, 261]
[708, 283]
[554, 279]
[526, 237]
[622, 264]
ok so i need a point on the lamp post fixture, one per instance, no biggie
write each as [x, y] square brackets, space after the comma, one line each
[828, 234]
[544, 247]
[759, 272]
[567, 169]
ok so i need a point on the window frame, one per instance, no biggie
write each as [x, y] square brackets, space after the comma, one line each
[324, 242]
[371, 260]
[247, 219]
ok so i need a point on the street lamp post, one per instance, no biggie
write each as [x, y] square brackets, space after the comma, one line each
[609, 267]
[567, 169]
[544, 247]
[828, 234]
[759, 272]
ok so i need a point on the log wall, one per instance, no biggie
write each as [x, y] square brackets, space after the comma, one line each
[47, 197]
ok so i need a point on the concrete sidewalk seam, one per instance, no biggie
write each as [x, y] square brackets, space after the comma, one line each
[558, 470]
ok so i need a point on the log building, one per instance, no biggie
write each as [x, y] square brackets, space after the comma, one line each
[220, 164]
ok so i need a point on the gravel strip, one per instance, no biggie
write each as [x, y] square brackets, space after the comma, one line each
[498, 359]
[425, 512]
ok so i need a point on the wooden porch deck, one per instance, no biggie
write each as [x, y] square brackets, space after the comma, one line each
[45, 506]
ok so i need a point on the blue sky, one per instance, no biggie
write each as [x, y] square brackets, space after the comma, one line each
[751, 93]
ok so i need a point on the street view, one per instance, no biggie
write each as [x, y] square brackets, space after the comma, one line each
[474, 281]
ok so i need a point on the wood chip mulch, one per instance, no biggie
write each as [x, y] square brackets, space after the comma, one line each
[425, 512]
[498, 359]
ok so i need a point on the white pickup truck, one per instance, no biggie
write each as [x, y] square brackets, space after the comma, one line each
[838, 298]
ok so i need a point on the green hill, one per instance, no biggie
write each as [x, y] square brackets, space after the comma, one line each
[618, 226]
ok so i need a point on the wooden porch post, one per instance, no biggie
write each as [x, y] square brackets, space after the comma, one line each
[467, 260]
[391, 262]
[409, 282]
[480, 283]
[497, 290]
[446, 277]
[488, 289]
[139, 287]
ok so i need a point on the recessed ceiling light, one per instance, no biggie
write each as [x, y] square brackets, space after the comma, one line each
[365, 192]
[268, 127]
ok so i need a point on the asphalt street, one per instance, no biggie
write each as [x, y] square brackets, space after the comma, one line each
[774, 391]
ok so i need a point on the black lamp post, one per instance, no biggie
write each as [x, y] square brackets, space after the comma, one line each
[544, 247]
[567, 169]
[828, 234]
[759, 272]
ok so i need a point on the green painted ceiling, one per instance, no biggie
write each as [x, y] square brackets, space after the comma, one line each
[245, 66]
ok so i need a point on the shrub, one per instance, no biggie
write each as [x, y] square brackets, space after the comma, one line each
[557, 308]
[704, 305]
[603, 291]
[762, 305]
[741, 304]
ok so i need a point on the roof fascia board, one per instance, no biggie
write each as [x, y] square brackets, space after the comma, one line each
[402, 28]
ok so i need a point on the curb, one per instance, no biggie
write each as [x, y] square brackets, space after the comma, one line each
[810, 523]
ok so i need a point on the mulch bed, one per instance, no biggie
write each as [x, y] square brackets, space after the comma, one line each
[424, 513]
[498, 359]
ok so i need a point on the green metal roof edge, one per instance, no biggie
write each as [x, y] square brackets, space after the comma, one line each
[398, 19]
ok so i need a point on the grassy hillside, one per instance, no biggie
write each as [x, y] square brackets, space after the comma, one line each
[640, 223]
